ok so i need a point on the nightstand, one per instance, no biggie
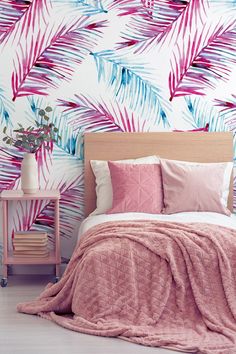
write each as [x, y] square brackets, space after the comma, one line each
[9, 258]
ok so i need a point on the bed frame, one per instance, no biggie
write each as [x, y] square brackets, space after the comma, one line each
[199, 147]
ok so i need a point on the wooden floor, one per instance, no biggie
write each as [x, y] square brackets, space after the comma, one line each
[26, 334]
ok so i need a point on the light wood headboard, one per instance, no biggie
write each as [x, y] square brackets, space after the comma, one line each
[199, 147]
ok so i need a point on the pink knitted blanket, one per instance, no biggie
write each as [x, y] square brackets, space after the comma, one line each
[155, 283]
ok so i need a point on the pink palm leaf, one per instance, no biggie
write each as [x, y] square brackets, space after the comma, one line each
[227, 105]
[147, 27]
[88, 114]
[203, 58]
[228, 111]
[43, 61]
[10, 168]
[11, 12]
[123, 7]
[26, 13]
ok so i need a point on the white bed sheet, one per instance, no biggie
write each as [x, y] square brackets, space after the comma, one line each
[204, 217]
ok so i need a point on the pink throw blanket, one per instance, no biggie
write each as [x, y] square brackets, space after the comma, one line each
[155, 283]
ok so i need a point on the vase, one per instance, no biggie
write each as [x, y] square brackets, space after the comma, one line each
[29, 174]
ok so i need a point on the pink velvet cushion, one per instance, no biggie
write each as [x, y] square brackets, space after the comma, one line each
[136, 188]
[193, 187]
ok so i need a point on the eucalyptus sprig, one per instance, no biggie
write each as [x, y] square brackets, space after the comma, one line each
[31, 139]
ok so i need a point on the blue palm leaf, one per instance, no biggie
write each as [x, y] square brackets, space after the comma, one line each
[68, 141]
[85, 7]
[131, 85]
[224, 6]
[5, 107]
[199, 112]
[227, 108]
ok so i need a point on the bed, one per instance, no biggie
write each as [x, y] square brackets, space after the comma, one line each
[159, 280]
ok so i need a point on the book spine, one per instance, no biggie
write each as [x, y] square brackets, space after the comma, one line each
[30, 248]
[30, 253]
[27, 235]
[36, 237]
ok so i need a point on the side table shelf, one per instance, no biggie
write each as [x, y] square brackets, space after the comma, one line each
[54, 256]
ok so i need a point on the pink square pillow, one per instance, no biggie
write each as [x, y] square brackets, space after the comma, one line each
[193, 187]
[136, 188]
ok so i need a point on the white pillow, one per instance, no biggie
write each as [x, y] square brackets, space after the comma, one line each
[226, 180]
[103, 181]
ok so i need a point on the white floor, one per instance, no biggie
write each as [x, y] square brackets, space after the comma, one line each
[28, 334]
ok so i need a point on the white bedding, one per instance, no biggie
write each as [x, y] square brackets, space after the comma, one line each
[205, 217]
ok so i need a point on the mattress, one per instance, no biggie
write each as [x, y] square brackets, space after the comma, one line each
[201, 217]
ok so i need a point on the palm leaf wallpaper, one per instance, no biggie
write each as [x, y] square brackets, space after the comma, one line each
[108, 65]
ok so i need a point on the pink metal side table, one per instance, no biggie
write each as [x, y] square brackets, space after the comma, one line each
[8, 257]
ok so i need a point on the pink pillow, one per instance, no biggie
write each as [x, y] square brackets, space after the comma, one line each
[193, 187]
[136, 188]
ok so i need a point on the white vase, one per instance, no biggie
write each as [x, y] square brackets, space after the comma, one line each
[29, 174]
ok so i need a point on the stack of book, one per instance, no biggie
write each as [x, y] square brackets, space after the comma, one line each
[30, 244]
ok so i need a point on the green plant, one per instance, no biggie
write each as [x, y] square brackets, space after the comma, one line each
[31, 139]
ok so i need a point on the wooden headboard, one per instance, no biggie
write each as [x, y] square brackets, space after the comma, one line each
[199, 147]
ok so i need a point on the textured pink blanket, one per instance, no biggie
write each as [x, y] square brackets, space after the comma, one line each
[160, 284]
